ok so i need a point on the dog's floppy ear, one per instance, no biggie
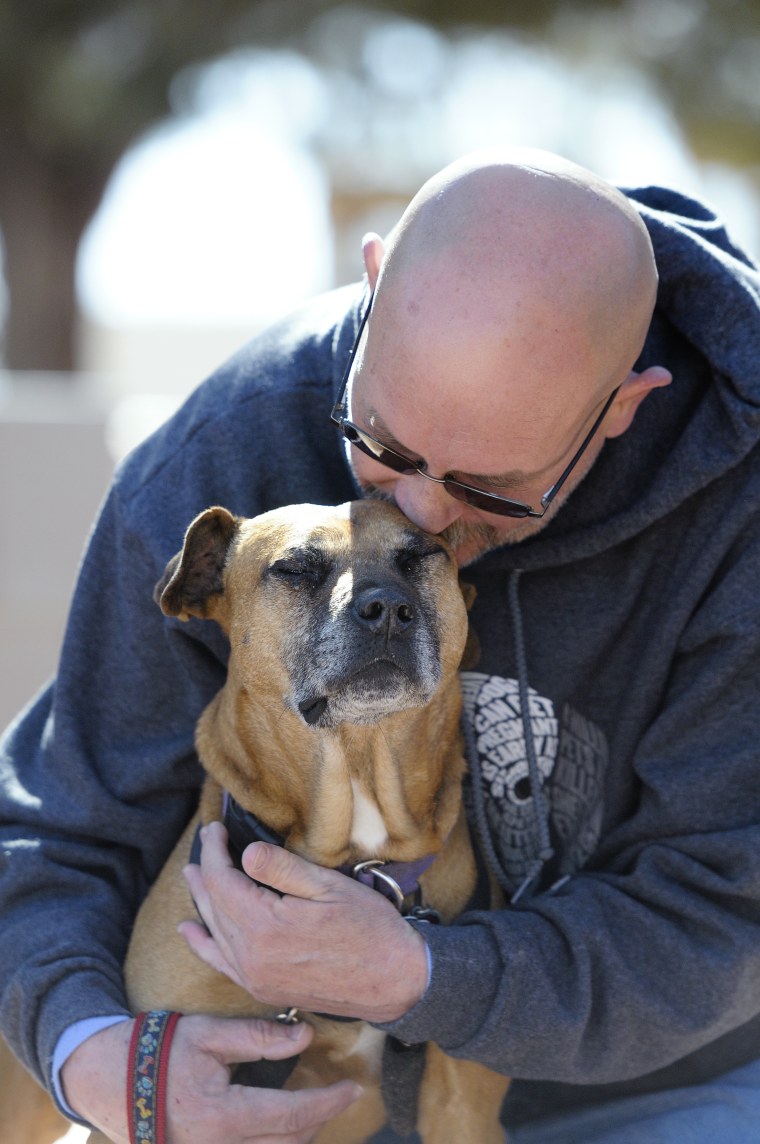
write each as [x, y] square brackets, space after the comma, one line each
[194, 577]
[471, 653]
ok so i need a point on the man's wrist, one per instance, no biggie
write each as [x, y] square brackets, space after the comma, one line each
[414, 976]
[71, 1039]
[93, 1078]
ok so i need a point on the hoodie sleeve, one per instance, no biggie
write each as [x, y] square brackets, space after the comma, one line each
[99, 775]
[97, 778]
[649, 954]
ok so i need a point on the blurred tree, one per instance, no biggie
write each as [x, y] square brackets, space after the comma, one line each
[80, 80]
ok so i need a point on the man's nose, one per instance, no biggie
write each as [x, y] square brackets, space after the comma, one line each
[426, 503]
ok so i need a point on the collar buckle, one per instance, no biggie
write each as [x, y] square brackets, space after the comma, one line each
[373, 872]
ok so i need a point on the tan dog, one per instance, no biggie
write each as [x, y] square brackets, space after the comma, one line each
[338, 727]
[27, 1114]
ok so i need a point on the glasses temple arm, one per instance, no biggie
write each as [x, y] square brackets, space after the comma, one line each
[549, 496]
[339, 409]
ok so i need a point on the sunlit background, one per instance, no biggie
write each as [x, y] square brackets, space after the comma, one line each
[252, 192]
[256, 193]
[167, 187]
[170, 183]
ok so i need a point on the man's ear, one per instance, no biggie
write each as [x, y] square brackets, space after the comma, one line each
[193, 580]
[373, 249]
[632, 392]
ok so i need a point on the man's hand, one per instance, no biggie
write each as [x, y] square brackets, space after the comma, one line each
[328, 945]
[201, 1103]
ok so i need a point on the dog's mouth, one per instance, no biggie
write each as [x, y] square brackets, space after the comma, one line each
[312, 710]
[372, 691]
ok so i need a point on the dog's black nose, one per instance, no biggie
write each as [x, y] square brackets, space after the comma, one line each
[383, 610]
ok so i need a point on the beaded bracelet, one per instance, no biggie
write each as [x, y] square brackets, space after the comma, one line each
[146, 1078]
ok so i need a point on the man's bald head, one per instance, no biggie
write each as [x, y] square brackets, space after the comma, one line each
[551, 253]
[512, 302]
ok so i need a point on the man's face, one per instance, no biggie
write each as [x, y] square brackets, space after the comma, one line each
[471, 533]
[468, 432]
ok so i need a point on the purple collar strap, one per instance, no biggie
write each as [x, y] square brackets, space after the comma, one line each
[395, 880]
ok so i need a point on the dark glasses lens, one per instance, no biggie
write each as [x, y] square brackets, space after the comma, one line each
[488, 502]
[376, 451]
[478, 498]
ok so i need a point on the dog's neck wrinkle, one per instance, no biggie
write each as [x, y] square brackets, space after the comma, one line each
[246, 754]
[410, 769]
[327, 833]
[303, 782]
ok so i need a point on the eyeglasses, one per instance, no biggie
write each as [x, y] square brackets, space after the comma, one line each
[478, 498]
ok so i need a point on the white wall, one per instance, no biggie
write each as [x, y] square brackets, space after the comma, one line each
[60, 437]
[158, 359]
[54, 469]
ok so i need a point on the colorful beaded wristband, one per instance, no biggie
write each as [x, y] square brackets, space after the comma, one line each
[146, 1079]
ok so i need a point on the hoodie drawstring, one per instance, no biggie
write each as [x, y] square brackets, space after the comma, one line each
[540, 805]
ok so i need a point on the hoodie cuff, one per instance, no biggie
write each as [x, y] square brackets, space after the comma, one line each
[464, 980]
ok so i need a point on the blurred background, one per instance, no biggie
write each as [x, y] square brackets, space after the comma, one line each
[176, 173]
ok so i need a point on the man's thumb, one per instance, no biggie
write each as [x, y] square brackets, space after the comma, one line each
[287, 872]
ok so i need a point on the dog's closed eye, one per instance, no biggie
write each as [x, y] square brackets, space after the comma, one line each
[300, 570]
[408, 559]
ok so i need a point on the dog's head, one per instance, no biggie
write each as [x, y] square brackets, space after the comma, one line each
[346, 614]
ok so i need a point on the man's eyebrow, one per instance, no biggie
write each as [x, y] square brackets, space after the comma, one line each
[513, 479]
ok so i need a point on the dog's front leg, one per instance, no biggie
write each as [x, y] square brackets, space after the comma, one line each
[345, 1049]
[27, 1114]
[460, 1100]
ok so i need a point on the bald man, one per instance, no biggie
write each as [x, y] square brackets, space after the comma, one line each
[513, 376]
[514, 293]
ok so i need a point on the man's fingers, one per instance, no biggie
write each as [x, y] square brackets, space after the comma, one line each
[203, 1105]
[286, 1114]
[192, 875]
[262, 1113]
[216, 861]
[204, 947]
[233, 1040]
[286, 872]
[216, 871]
[269, 865]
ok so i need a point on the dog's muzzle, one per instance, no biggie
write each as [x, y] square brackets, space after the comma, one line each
[376, 654]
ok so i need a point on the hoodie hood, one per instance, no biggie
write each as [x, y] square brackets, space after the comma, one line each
[706, 331]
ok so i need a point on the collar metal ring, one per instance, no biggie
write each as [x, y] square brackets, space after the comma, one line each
[375, 867]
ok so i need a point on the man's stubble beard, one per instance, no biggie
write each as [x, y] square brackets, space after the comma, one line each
[484, 537]
[478, 538]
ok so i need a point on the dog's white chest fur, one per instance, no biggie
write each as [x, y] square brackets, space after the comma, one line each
[369, 1046]
[368, 830]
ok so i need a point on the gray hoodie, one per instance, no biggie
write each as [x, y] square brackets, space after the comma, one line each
[613, 736]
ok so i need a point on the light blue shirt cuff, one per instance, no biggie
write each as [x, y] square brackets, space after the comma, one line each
[71, 1039]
